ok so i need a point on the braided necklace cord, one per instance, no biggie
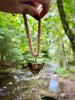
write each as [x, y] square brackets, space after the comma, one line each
[29, 38]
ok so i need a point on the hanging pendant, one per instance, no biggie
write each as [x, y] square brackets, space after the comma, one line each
[35, 67]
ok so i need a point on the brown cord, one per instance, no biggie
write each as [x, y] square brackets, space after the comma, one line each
[29, 38]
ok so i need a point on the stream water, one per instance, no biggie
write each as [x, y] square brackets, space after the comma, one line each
[25, 86]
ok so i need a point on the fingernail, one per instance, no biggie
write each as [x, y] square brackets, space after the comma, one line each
[36, 17]
[25, 11]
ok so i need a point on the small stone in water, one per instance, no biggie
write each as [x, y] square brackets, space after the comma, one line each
[4, 87]
[15, 77]
[62, 95]
[46, 84]
[17, 96]
[1, 90]
[10, 83]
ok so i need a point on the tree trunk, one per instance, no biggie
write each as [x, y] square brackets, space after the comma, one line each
[59, 55]
[64, 56]
[2, 58]
[73, 55]
[66, 27]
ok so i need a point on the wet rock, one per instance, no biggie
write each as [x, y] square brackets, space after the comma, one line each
[4, 87]
[29, 74]
[15, 77]
[21, 73]
[17, 80]
[55, 76]
[45, 77]
[48, 95]
[10, 83]
[34, 89]
[62, 96]
[35, 77]
[46, 84]
[1, 90]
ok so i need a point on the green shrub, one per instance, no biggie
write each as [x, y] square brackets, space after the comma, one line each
[65, 74]
[71, 62]
[60, 71]
[19, 67]
[8, 70]
[72, 69]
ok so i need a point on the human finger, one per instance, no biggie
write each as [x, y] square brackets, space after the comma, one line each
[45, 6]
[32, 3]
[31, 10]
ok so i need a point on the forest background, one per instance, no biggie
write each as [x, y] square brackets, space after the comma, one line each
[57, 35]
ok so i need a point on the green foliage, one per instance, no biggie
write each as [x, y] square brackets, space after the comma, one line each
[19, 67]
[13, 40]
[70, 13]
[72, 62]
[72, 69]
[65, 74]
[59, 70]
[8, 70]
[26, 65]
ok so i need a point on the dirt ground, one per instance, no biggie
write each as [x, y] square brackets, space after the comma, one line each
[70, 92]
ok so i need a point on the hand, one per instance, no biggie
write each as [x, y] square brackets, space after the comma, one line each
[17, 6]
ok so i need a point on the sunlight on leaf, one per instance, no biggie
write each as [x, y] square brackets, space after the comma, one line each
[14, 39]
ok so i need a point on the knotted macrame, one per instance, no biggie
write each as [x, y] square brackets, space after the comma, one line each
[29, 38]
